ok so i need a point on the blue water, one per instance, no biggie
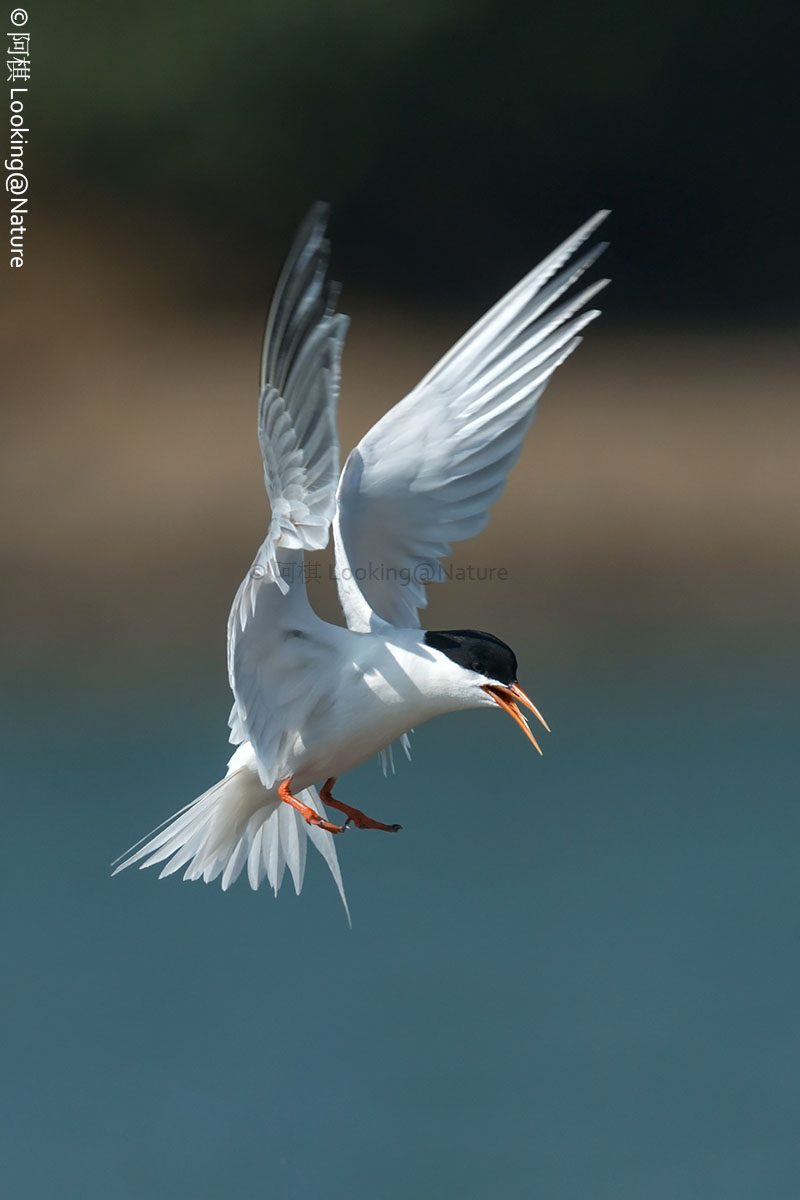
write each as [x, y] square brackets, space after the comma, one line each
[570, 977]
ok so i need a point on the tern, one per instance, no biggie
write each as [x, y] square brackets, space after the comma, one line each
[313, 700]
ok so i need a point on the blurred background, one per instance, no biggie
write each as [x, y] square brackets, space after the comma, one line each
[567, 977]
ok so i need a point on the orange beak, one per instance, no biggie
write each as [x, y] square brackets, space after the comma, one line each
[509, 699]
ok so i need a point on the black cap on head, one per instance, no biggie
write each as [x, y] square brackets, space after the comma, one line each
[480, 652]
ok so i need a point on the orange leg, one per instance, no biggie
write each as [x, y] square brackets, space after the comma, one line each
[359, 819]
[306, 813]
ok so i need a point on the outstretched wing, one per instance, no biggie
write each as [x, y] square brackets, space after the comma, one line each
[299, 388]
[428, 472]
[297, 433]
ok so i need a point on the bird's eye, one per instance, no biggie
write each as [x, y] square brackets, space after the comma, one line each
[476, 666]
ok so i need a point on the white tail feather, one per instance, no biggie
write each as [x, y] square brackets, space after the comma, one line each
[235, 823]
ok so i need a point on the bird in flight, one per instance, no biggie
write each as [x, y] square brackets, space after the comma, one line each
[313, 700]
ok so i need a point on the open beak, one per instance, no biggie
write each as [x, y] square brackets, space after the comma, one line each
[509, 699]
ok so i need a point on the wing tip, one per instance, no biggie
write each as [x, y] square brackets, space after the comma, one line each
[581, 234]
[318, 216]
[596, 220]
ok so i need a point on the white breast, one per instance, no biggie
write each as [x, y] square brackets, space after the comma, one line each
[380, 689]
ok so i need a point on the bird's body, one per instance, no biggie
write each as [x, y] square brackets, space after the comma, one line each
[378, 689]
[313, 700]
[362, 690]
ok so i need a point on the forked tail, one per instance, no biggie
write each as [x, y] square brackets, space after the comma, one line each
[238, 823]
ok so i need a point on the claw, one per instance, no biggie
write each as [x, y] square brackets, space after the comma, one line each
[359, 819]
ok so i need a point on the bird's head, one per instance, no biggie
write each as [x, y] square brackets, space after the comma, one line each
[488, 672]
